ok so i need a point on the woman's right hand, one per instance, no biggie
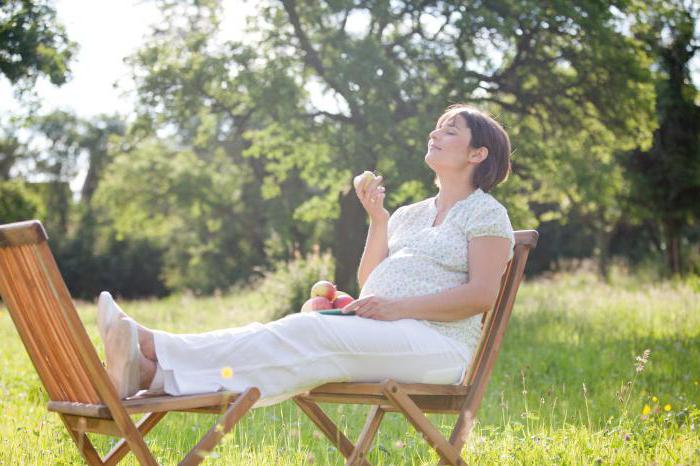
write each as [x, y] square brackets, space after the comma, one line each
[372, 199]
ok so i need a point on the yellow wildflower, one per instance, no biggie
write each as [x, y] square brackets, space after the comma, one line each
[226, 372]
[654, 399]
[646, 410]
[667, 407]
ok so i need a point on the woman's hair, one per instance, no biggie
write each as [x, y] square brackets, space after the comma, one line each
[486, 132]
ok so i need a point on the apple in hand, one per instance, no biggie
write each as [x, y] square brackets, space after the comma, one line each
[318, 303]
[362, 180]
[325, 289]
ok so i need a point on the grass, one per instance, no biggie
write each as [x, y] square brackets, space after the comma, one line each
[566, 332]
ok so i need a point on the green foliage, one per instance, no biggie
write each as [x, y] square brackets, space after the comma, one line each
[665, 179]
[18, 203]
[33, 43]
[188, 207]
[232, 164]
[92, 259]
[572, 87]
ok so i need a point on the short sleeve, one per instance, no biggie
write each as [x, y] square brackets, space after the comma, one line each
[490, 221]
[395, 221]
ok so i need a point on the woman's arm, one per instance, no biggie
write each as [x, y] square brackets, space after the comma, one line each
[376, 248]
[488, 258]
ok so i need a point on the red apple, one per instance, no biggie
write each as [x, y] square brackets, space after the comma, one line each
[325, 289]
[342, 301]
[319, 303]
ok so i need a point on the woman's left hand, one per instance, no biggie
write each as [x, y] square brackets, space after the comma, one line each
[375, 307]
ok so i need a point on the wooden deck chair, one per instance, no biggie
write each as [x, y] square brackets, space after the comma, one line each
[413, 400]
[76, 382]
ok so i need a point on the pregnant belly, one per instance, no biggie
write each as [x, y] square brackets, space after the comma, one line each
[400, 276]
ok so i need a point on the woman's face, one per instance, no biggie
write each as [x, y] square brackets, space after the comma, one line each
[449, 144]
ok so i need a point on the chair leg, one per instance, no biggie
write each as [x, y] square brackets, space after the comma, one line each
[422, 424]
[461, 432]
[376, 414]
[87, 450]
[135, 441]
[328, 427]
[122, 448]
[238, 409]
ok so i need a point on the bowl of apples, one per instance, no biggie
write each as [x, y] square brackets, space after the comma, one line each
[327, 299]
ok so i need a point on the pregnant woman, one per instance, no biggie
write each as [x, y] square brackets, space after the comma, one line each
[427, 273]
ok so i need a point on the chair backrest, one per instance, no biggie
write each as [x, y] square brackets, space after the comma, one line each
[496, 320]
[44, 314]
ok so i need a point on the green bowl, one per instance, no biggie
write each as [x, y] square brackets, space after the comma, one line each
[337, 312]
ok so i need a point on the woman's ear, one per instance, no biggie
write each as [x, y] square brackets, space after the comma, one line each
[479, 155]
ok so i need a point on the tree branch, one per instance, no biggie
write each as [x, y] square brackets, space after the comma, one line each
[312, 59]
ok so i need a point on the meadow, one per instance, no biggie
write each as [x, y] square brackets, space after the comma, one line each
[572, 385]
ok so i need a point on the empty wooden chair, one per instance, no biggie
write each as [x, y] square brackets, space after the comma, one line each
[77, 384]
[413, 400]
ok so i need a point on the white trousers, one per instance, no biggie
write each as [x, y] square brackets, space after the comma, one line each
[301, 351]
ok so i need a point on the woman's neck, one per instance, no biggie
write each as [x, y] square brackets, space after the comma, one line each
[447, 197]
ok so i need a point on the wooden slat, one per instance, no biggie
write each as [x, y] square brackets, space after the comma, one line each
[431, 404]
[19, 233]
[62, 349]
[363, 388]
[30, 292]
[10, 280]
[79, 409]
[214, 401]
[91, 424]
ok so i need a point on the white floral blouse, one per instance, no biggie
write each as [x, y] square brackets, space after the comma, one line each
[425, 260]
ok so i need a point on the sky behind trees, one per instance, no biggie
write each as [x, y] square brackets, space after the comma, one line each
[108, 31]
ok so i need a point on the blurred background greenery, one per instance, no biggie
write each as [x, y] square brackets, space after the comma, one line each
[229, 169]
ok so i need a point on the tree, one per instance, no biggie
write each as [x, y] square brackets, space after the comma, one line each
[33, 43]
[184, 206]
[12, 150]
[17, 203]
[666, 178]
[569, 85]
[566, 70]
[95, 140]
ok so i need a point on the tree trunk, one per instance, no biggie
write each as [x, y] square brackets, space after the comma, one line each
[603, 251]
[349, 242]
[672, 238]
[258, 217]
